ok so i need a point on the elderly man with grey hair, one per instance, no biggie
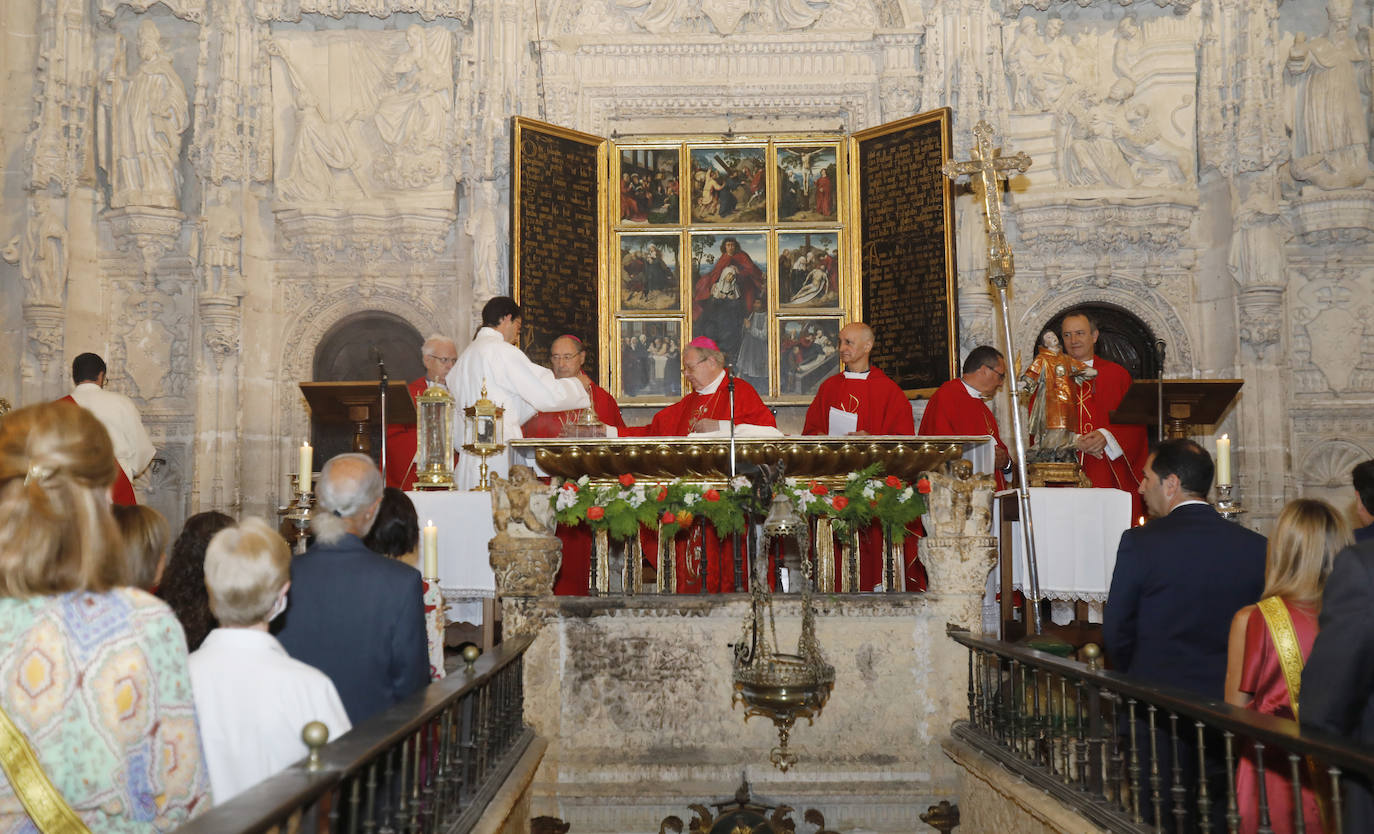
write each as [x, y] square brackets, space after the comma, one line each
[438, 354]
[354, 615]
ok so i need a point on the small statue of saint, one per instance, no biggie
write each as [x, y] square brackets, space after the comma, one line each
[1052, 381]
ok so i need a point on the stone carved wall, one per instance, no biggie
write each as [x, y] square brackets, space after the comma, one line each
[1220, 198]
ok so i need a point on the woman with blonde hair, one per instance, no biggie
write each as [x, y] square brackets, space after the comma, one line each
[97, 711]
[144, 533]
[1269, 644]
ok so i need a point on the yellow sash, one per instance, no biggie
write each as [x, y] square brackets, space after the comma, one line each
[45, 806]
[1289, 651]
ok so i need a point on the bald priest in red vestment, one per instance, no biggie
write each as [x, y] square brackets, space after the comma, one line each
[960, 407]
[1112, 454]
[566, 356]
[706, 410]
[861, 399]
[438, 354]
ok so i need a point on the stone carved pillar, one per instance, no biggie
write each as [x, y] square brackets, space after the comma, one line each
[1259, 264]
[215, 482]
[524, 553]
[44, 325]
[959, 549]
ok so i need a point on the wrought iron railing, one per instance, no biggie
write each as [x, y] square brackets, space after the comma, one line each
[1132, 757]
[430, 763]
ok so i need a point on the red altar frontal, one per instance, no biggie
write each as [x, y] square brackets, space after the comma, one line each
[629, 506]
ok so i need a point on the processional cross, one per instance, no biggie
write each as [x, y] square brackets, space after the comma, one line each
[989, 167]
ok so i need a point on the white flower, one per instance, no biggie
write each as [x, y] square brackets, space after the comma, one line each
[868, 491]
[566, 498]
[906, 494]
[584, 480]
[739, 482]
[633, 496]
[690, 498]
[792, 482]
[805, 499]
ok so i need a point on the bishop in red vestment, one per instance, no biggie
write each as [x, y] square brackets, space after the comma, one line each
[566, 356]
[1112, 454]
[438, 353]
[878, 404]
[707, 409]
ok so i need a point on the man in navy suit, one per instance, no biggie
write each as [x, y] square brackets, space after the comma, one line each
[1338, 681]
[354, 615]
[1178, 581]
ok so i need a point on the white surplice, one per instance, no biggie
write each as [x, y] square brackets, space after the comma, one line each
[513, 382]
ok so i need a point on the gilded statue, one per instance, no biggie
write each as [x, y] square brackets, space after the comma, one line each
[1052, 382]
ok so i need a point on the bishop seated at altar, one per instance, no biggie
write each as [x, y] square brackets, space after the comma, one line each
[708, 408]
[566, 356]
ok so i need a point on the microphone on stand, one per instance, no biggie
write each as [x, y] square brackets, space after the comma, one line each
[1160, 345]
[376, 353]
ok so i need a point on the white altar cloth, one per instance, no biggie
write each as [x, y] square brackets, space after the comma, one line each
[1076, 535]
[465, 527]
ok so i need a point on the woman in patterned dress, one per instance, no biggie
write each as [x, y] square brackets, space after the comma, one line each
[93, 676]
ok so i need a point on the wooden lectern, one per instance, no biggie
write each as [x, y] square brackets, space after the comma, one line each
[358, 403]
[1184, 403]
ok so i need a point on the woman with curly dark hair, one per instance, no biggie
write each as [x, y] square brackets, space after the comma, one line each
[183, 583]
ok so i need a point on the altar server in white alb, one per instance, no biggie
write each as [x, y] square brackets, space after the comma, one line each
[513, 382]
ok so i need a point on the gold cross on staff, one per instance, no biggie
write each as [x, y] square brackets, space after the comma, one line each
[991, 167]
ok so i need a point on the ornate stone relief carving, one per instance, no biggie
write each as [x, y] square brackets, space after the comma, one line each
[1156, 307]
[1329, 462]
[147, 111]
[147, 234]
[1330, 117]
[233, 118]
[217, 244]
[725, 17]
[292, 10]
[1328, 308]
[150, 344]
[486, 226]
[1333, 217]
[1240, 92]
[41, 253]
[59, 140]
[44, 326]
[1104, 225]
[184, 9]
[1012, 7]
[363, 159]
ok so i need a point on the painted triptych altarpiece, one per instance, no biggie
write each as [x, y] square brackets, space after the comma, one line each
[769, 244]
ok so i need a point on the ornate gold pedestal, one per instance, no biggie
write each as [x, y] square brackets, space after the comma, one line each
[1057, 474]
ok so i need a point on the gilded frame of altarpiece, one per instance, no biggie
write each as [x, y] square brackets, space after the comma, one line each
[766, 243]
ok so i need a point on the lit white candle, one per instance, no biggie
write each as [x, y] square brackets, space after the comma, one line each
[1224, 459]
[305, 468]
[429, 551]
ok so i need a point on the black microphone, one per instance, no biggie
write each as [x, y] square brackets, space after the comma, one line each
[1159, 353]
[376, 354]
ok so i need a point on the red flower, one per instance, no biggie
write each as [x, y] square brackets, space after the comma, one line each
[662, 493]
[894, 482]
[839, 502]
[923, 486]
[684, 518]
[627, 480]
[712, 495]
[596, 513]
[873, 505]
[818, 488]
[572, 485]
[668, 517]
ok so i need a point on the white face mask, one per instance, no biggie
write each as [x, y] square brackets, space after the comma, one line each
[277, 607]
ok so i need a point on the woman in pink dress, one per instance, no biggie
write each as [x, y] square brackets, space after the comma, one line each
[1306, 539]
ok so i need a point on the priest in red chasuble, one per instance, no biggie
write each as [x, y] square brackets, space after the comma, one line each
[960, 406]
[1112, 454]
[566, 356]
[861, 399]
[438, 354]
[706, 410]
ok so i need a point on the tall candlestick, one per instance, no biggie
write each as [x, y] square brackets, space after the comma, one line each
[429, 551]
[305, 468]
[1224, 459]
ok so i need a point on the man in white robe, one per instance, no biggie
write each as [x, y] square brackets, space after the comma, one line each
[513, 382]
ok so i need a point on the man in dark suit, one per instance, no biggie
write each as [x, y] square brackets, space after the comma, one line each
[354, 615]
[1178, 581]
[1338, 681]
[1362, 476]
